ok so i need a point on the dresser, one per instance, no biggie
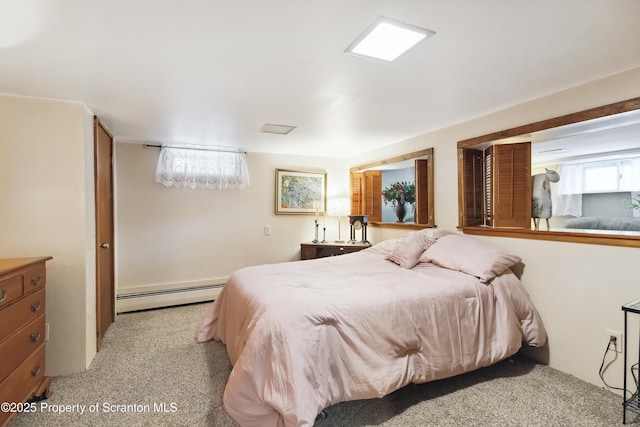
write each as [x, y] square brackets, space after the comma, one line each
[22, 332]
[321, 250]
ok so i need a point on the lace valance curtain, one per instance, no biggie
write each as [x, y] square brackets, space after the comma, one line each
[194, 167]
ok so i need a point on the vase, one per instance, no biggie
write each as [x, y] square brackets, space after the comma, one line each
[401, 212]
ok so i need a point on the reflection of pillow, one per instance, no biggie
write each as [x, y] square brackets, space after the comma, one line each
[408, 249]
[471, 256]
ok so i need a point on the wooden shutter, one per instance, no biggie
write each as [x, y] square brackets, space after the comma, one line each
[487, 188]
[511, 189]
[356, 193]
[424, 187]
[373, 195]
[472, 188]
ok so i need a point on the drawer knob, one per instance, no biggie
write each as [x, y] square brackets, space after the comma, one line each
[35, 306]
[34, 336]
[3, 295]
[35, 280]
[35, 370]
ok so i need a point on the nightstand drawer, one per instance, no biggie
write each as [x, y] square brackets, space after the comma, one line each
[322, 250]
[335, 250]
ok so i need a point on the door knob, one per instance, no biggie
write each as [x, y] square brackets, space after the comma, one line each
[104, 245]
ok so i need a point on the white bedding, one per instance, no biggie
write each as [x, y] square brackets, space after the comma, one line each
[304, 335]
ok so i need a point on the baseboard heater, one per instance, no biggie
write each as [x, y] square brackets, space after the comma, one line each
[134, 301]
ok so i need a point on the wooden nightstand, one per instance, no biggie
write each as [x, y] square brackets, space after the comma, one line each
[321, 250]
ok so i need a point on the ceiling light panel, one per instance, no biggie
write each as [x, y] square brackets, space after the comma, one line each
[387, 39]
[278, 129]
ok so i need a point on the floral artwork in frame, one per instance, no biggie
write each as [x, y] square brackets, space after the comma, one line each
[300, 192]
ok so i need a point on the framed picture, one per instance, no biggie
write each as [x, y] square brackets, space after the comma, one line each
[300, 192]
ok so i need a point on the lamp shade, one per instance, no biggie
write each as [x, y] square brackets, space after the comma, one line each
[340, 206]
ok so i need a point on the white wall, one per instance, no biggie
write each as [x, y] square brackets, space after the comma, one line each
[169, 237]
[46, 183]
[578, 288]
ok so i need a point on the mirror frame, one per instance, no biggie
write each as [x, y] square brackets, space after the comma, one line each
[430, 187]
[599, 237]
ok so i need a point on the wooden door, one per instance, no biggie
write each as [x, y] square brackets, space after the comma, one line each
[105, 283]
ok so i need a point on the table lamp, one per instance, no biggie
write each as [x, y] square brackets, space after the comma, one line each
[340, 206]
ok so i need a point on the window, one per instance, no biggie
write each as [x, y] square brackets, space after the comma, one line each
[491, 193]
[202, 167]
[608, 176]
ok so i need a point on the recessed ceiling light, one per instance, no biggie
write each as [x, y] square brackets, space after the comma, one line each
[279, 129]
[387, 39]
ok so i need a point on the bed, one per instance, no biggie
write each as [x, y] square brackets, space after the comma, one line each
[304, 335]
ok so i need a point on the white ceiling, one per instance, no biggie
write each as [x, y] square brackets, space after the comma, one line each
[214, 72]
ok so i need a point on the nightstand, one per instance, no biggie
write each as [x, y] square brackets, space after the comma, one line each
[321, 250]
[633, 403]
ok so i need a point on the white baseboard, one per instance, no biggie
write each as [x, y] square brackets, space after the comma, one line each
[156, 296]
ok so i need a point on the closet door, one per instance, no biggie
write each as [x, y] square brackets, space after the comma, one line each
[105, 283]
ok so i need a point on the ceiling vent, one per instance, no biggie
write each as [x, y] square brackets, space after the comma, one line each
[278, 129]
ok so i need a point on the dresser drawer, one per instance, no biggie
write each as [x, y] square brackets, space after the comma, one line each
[17, 347]
[22, 312]
[34, 279]
[23, 382]
[10, 290]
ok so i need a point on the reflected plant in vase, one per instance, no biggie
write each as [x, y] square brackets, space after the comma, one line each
[399, 194]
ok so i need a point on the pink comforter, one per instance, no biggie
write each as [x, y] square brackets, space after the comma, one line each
[304, 335]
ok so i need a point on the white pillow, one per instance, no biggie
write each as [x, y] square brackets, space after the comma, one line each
[408, 249]
[434, 233]
[471, 256]
[384, 247]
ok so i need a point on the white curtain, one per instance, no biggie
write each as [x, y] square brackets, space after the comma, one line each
[635, 174]
[210, 168]
[569, 199]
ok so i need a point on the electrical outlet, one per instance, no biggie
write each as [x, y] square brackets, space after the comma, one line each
[618, 336]
[46, 332]
[267, 230]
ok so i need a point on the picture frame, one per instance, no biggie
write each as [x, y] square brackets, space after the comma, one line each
[300, 192]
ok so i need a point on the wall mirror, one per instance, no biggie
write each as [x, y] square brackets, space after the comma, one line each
[593, 196]
[395, 192]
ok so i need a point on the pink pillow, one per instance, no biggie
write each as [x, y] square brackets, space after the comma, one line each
[408, 249]
[434, 233]
[471, 256]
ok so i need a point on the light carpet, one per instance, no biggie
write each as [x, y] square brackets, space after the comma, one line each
[152, 372]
